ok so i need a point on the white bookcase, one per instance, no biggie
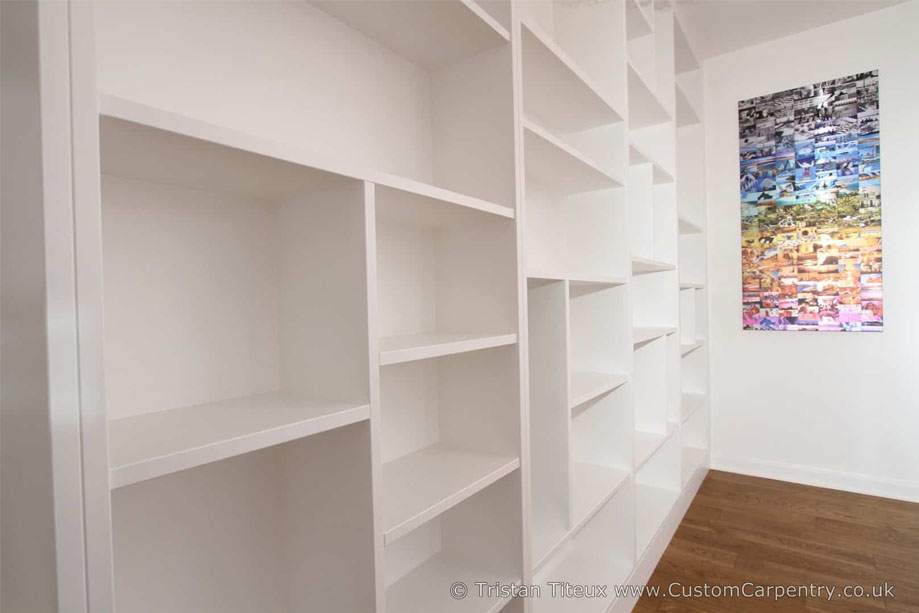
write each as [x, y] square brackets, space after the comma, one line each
[395, 294]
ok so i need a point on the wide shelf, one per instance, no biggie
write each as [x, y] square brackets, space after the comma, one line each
[648, 443]
[686, 348]
[422, 485]
[553, 163]
[644, 107]
[427, 588]
[557, 91]
[691, 403]
[411, 347]
[430, 34]
[643, 334]
[585, 386]
[592, 486]
[151, 445]
[643, 266]
[637, 156]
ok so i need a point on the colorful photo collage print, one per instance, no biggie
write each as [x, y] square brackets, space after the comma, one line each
[810, 198]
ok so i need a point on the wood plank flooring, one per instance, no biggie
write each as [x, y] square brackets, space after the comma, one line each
[743, 529]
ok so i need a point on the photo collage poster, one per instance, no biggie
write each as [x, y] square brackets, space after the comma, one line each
[810, 186]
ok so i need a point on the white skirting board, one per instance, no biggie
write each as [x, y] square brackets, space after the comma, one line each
[870, 485]
[648, 562]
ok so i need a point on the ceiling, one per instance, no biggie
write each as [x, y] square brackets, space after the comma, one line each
[714, 27]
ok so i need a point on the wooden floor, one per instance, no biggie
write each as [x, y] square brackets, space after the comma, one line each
[746, 529]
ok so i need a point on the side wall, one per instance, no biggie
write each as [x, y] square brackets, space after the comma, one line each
[832, 409]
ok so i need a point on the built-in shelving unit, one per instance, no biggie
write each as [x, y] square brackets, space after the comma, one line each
[433, 312]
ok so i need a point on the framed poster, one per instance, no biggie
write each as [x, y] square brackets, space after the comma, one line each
[810, 200]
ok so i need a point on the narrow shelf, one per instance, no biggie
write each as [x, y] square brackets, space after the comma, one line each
[592, 486]
[547, 538]
[637, 22]
[693, 457]
[654, 503]
[424, 484]
[644, 107]
[151, 445]
[427, 588]
[647, 444]
[686, 115]
[588, 385]
[691, 285]
[410, 347]
[689, 227]
[643, 334]
[557, 91]
[552, 162]
[431, 34]
[691, 403]
[643, 266]
[158, 145]
[686, 348]
[583, 281]
[637, 156]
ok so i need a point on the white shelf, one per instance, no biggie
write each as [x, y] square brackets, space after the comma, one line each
[643, 334]
[427, 589]
[637, 21]
[575, 280]
[581, 569]
[644, 107]
[547, 538]
[637, 156]
[557, 91]
[654, 503]
[686, 115]
[693, 457]
[424, 484]
[431, 34]
[553, 163]
[691, 403]
[643, 266]
[410, 347]
[586, 386]
[153, 144]
[647, 444]
[686, 348]
[689, 227]
[591, 486]
[691, 285]
[155, 444]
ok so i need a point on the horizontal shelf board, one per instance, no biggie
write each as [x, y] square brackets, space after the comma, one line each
[553, 163]
[410, 347]
[422, 485]
[644, 107]
[687, 348]
[431, 34]
[643, 334]
[591, 487]
[144, 142]
[585, 386]
[691, 403]
[691, 285]
[581, 281]
[426, 205]
[637, 156]
[146, 446]
[557, 90]
[427, 588]
[643, 266]
[547, 539]
[686, 115]
[638, 23]
[684, 58]
[653, 505]
[689, 227]
[648, 443]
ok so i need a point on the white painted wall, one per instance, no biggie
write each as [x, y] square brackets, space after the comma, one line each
[839, 410]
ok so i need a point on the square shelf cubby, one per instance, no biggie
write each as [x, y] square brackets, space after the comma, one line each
[446, 276]
[599, 340]
[286, 528]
